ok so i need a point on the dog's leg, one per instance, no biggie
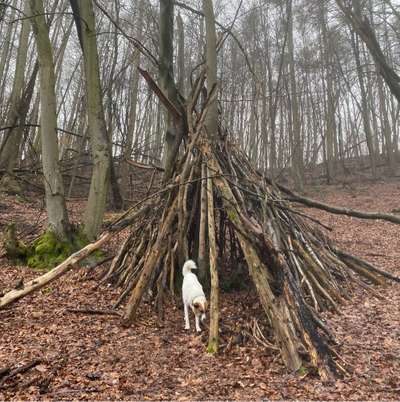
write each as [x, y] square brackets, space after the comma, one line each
[187, 323]
[198, 329]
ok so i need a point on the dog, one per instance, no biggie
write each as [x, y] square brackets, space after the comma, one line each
[193, 295]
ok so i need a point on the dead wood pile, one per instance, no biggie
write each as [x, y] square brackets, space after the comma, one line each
[217, 199]
[219, 207]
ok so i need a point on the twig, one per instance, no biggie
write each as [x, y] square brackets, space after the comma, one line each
[20, 370]
[366, 265]
[94, 311]
[307, 217]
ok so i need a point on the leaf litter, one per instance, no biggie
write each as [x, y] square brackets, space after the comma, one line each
[93, 357]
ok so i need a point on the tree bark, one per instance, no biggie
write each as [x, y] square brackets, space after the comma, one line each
[213, 337]
[173, 135]
[55, 202]
[211, 122]
[297, 143]
[12, 140]
[97, 126]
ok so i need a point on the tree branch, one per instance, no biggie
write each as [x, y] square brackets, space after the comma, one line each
[338, 210]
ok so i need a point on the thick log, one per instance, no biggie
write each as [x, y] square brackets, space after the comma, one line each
[274, 307]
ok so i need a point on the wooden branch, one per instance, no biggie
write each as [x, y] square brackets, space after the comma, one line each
[339, 210]
[317, 221]
[20, 370]
[93, 311]
[177, 115]
[55, 273]
[214, 302]
[4, 371]
[366, 265]
[70, 262]
[156, 251]
[57, 128]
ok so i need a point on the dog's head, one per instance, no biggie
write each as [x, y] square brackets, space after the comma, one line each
[200, 307]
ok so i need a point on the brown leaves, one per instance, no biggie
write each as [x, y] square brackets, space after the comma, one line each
[92, 357]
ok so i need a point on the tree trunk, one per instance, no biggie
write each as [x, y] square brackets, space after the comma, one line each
[19, 104]
[181, 56]
[173, 135]
[297, 143]
[55, 202]
[97, 126]
[365, 108]
[211, 123]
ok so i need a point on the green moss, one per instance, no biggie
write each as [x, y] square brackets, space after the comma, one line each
[232, 215]
[48, 251]
[212, 347]
[46, 244]
[302, 371]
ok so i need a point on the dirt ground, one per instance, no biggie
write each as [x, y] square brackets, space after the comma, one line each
[92, 357]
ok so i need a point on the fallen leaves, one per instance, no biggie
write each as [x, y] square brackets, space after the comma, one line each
[93, 357]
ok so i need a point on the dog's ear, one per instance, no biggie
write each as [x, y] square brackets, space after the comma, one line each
[196, 305]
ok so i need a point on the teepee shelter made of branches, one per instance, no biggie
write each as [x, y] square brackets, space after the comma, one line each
[217, 198]
[218, 206]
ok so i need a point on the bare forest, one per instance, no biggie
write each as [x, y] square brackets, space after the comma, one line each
[259, 139]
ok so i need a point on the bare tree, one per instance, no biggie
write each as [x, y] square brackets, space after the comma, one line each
[85, 23]
[58, 222]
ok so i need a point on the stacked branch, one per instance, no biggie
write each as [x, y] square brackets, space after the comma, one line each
[218, 204]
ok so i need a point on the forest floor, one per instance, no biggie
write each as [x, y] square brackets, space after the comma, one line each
[93, 357]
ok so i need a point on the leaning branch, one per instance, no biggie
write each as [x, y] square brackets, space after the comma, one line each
[54, 274]
[338, 210]
[70, 262]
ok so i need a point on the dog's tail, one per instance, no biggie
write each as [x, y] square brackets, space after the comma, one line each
[188, 266]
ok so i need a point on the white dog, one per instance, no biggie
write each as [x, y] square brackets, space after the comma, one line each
[193, 295]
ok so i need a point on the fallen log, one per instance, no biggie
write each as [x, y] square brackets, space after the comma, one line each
[69, 263]
[54, 274]
[309, 202]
